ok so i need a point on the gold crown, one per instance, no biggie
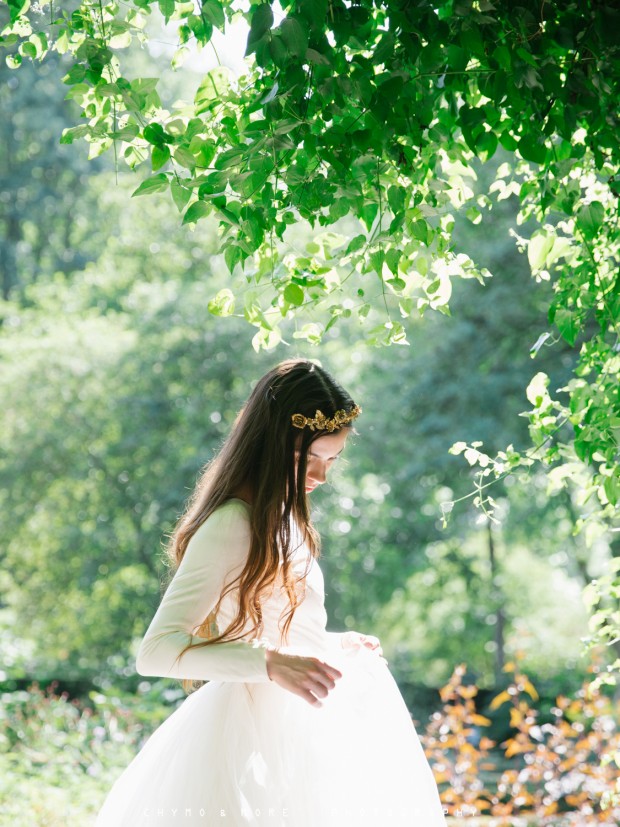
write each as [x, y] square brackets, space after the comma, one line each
[322, 423]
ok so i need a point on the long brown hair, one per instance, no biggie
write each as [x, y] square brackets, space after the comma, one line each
[266, 454]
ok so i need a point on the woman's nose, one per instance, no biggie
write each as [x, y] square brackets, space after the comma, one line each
[318, 472]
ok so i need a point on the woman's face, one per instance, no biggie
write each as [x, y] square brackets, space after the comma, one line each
[321, 455]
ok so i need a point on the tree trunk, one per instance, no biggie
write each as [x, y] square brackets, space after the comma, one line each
[498, 603]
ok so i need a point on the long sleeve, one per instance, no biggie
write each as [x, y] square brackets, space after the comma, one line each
[219, 547]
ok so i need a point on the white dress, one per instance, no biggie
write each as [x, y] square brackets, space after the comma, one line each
[243, 751]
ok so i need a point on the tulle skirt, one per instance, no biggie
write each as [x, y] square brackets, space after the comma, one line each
[236, 754]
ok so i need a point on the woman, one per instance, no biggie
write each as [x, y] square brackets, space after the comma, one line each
[296, 726]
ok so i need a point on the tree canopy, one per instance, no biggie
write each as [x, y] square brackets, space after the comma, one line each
[369, 122]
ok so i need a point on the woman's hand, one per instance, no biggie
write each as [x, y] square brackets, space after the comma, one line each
[355, 640]
[310, 678]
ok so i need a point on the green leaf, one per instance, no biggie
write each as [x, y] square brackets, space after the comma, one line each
[14, 62]
[472, 41]
[384, 49]
[196, 211]
[167, 8]
[536, 391]
[262, 18]
[266, 339]
[356, 244]
[201, 27]
[28, 49]
[473, 214]
[156, 183]
[278, 50]
[396, 223]
[294, 294]
[508, 141]
[159, 157]
[503, 57]
[312, 56]
[223, 303]
[214, 87]
[271, 94]
[40, 41]
[611, 486]
[539, 343]
[294, 36]
[567, 323]
[392, 259]
[339, 208]
[127, 133]
[214, 12]
[154, 134]
[420, 230]
[184, 157]
[590, 218]
[368, 212]
[69, 135]
[142, 86]
[180, 194]
[262, 21]
[180, 56]
[313, 10]
[533, 149]
[397, 283]
[17, 8]
[538, 249]
[486, 144]
[396, 198]
[362, 139]
[76, 74]
[121, 40]
[232, 256]
[376, 260]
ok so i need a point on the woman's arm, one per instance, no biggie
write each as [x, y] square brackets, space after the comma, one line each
[218, 547]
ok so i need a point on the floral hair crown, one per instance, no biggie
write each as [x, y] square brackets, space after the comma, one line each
[322, 423]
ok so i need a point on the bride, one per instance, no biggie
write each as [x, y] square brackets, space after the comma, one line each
[291, 725]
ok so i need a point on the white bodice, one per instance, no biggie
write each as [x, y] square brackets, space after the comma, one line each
[215, 555]
[307, 630]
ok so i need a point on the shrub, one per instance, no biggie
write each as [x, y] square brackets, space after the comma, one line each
[561, 773]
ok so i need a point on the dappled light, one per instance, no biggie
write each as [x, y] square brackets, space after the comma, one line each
[423, 198]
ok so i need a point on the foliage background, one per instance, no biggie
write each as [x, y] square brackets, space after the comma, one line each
[121, 384]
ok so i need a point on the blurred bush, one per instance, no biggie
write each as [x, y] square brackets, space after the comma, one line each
[59, 756]
[557, 773]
